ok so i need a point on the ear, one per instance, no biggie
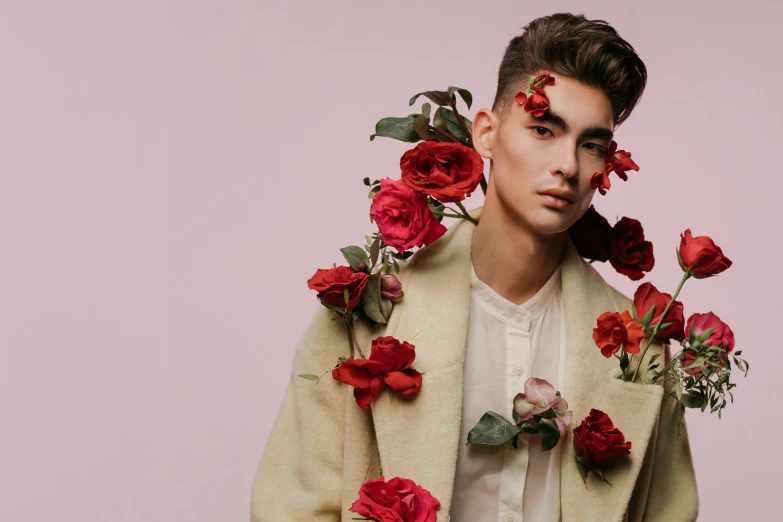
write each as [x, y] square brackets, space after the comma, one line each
[485, 127]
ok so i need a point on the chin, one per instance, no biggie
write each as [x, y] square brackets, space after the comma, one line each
[548, 222]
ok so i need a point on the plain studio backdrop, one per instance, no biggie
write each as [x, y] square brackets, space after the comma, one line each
[174, 172]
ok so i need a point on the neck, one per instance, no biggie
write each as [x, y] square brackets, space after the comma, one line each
[509, 258]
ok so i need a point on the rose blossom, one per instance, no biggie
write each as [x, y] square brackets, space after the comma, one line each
[389, 364]
[600, 179]
[644, 298]
[616, 329]
[331, 283]
[701, 256]
[398, 500]
[591, 235]
[539, 397]
[629, 253]
[403, 217]
[596, 439]
[447, 171]
[620, 161]
[720, 336]
[391, 288]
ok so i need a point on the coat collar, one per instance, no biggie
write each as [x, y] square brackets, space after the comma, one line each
[418, 435]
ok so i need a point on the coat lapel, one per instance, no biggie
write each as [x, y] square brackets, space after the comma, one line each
[418, 435]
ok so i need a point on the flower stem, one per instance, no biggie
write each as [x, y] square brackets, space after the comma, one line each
[446, 214]
[354, 342]
[461, 121]
[465, 213]
[444, 134]
[658, 324]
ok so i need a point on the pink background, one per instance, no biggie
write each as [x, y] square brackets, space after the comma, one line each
[174, 172]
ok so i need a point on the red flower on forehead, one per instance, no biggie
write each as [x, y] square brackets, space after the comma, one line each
[536, 102]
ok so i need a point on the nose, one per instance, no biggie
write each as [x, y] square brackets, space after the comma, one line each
[566, 163]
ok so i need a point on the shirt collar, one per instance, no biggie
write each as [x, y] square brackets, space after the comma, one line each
[517, 316]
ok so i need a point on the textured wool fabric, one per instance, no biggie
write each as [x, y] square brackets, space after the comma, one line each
[507, 344]
[322, 445]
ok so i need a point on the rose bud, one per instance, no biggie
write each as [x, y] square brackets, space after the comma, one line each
[391, 288]
[701, 256]
[361, 267]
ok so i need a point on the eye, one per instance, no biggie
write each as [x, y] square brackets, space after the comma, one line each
[537, 128]
[595, 147]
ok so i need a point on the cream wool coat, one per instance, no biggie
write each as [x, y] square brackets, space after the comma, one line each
[322, 444]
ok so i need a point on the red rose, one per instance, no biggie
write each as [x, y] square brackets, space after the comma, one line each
[447, 171]
[620, 161]
[547, 78]
[721, 336]
[403, 217]
[644, 298]
[701, 256]
[389, 364]
[596, 439]
[537, 103]
[600, 180]
[617, 329]
[629, 253]
[592, 235]
[398, 500]
[331, 284]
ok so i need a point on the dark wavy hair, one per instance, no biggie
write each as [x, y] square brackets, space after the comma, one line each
[590, 51]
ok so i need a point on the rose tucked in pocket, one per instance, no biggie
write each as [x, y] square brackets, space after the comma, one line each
[389, 364]
[721, 335]
[331, 285]
[403, 217]
[447, 171]
[595, 440]
[398, 500]
[615, 330]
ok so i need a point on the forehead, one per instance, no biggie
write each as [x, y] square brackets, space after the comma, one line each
[581, 105]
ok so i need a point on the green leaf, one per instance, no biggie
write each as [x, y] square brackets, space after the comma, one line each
[371, 299]
[426, 109]
[648, 316]
[403, 256]
[399, 129]
[548, 414]
[374, 249]
[437, 97]
[691, 400]
[624, 361]
[355, 255]
[421, 125]
[446, 120]
[550, 434]
[308, 376]
[464, 94]
[654, 357]
[492, 429]
[600, 473]
[582, 471]
[396, 266]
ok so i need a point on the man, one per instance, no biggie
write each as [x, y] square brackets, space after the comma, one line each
[488, 306]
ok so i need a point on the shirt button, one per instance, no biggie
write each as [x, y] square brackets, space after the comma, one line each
[510, 517]
[519, 371]
[517, 317]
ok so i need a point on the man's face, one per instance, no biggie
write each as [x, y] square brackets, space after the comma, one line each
[531, 155]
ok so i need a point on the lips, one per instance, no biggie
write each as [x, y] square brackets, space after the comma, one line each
[560, 193]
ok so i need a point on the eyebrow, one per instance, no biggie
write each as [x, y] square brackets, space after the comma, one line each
[600, 133]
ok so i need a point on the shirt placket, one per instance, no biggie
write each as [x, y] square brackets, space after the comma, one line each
[518, 368]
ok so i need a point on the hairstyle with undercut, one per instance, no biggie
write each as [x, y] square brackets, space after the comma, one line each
[590, 51]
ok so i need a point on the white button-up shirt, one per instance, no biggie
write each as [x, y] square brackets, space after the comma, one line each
[507, 344]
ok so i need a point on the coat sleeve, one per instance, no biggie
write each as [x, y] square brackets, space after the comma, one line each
[672, 495]
[300, 473]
